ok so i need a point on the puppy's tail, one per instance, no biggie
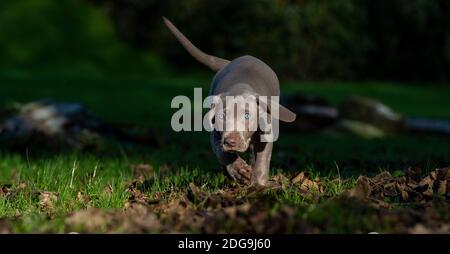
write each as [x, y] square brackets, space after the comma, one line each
[215, 63]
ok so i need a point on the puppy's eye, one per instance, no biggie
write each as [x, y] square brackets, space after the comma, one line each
[220, 115]
[247, 115]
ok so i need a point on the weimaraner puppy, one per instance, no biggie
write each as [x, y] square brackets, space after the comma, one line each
[251, 79]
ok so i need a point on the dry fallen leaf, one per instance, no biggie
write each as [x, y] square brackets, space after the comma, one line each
[443, 173]
[305, 184]
[5, 191]
[139, 197]
[413, 174]
[278, 181]
[362, 189]
[195, 190]
[108, 190]
[22, 186]
[83, 198]
[407, 188]
[299, 178]
[448, 190]
[47, 199]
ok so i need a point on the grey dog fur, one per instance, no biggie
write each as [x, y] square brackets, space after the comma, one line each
[259, 80]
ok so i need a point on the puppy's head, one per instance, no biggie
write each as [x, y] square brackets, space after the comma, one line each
[236, 119]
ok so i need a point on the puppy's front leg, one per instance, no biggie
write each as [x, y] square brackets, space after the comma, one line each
[236, 167]
[260, 162]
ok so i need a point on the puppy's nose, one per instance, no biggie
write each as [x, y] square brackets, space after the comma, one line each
[230, 141]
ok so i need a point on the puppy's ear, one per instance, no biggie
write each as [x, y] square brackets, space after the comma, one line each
[284, 114]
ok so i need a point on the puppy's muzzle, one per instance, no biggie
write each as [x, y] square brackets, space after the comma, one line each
[233, 142]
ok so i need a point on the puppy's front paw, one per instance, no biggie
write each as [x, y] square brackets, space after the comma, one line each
[240, 171]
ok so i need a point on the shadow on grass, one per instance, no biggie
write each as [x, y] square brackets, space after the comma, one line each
[324, 154]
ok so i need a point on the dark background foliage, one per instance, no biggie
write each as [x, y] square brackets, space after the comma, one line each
[406, 40]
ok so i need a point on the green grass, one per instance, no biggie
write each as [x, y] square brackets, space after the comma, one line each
[71, 57]
[146, 102]
[92, 175]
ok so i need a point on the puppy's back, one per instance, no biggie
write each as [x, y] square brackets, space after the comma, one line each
[249, 70]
